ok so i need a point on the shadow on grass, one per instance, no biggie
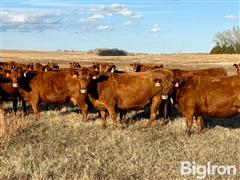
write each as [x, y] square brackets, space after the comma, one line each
[233, 122]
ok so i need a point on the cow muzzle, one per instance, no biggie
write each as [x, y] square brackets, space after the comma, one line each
[83, 91]
[15, 85]
[164, 97]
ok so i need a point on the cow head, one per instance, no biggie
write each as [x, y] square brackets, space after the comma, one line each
[237, 66]
[106, 67]
[74, 65]
[15, 74]
[84, 76]
[136, 67]
[166, 82]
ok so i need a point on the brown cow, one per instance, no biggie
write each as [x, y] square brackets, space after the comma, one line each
[9, 89]
[237, 66]
[137, 67]
[74, 65]
[56, 88]
[104, 67]
[51, 66]
[181, 75]
[213, 97]
[130, 91]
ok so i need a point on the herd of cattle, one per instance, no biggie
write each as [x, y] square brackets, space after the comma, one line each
[194, 93]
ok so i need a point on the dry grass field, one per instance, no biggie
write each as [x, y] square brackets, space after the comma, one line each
[61, 146]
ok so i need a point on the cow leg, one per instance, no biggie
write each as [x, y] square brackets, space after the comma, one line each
[103, 116]
[200, 124]
[24, 106]
[189, 122]
[84, 109]
[15, 102]
[2, 121]
[153, 110]
[113, 116]
[166, 108]
[123, 116]
[36, 111]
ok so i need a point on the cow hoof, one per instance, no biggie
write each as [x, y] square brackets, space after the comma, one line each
[148, 125]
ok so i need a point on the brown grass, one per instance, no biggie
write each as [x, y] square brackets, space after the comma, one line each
[60, 146]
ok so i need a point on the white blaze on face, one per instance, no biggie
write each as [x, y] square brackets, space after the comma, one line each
[165, 97]
[94, 77]
[83, 91]
[177, 84]
[74, 76]
[157, 84]
[15, 85]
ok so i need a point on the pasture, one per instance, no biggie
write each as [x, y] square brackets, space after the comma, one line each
[61, 146]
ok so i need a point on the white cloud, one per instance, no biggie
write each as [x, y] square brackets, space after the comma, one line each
[29, 21]
[128, 23]
[126, 12]
[230, 17]
[37, 21]
[96, 17]
[155, 28]
[116, 9]
[137, 16]
[103, 27]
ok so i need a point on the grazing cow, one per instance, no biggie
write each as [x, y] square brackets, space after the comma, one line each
[56, 88]
[137, 67]
[130, 91]
[237, 66]
[181, 75]
[213, 97]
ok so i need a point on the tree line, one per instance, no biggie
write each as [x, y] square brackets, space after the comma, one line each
[227, 42]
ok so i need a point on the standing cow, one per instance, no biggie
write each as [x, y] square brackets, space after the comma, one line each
[213, 97]
[130, 91]
[56, 88]
[183, 75]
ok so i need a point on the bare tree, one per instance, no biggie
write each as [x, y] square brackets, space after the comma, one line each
[228, 38]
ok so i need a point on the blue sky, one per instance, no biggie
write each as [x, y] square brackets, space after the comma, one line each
[146, 26]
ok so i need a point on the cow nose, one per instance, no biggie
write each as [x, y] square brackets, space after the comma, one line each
[15, 85]
[83, 91]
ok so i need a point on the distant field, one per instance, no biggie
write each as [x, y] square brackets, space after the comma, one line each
[169, 60]
[60, 146]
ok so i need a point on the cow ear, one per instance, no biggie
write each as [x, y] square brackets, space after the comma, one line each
[235, 65]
